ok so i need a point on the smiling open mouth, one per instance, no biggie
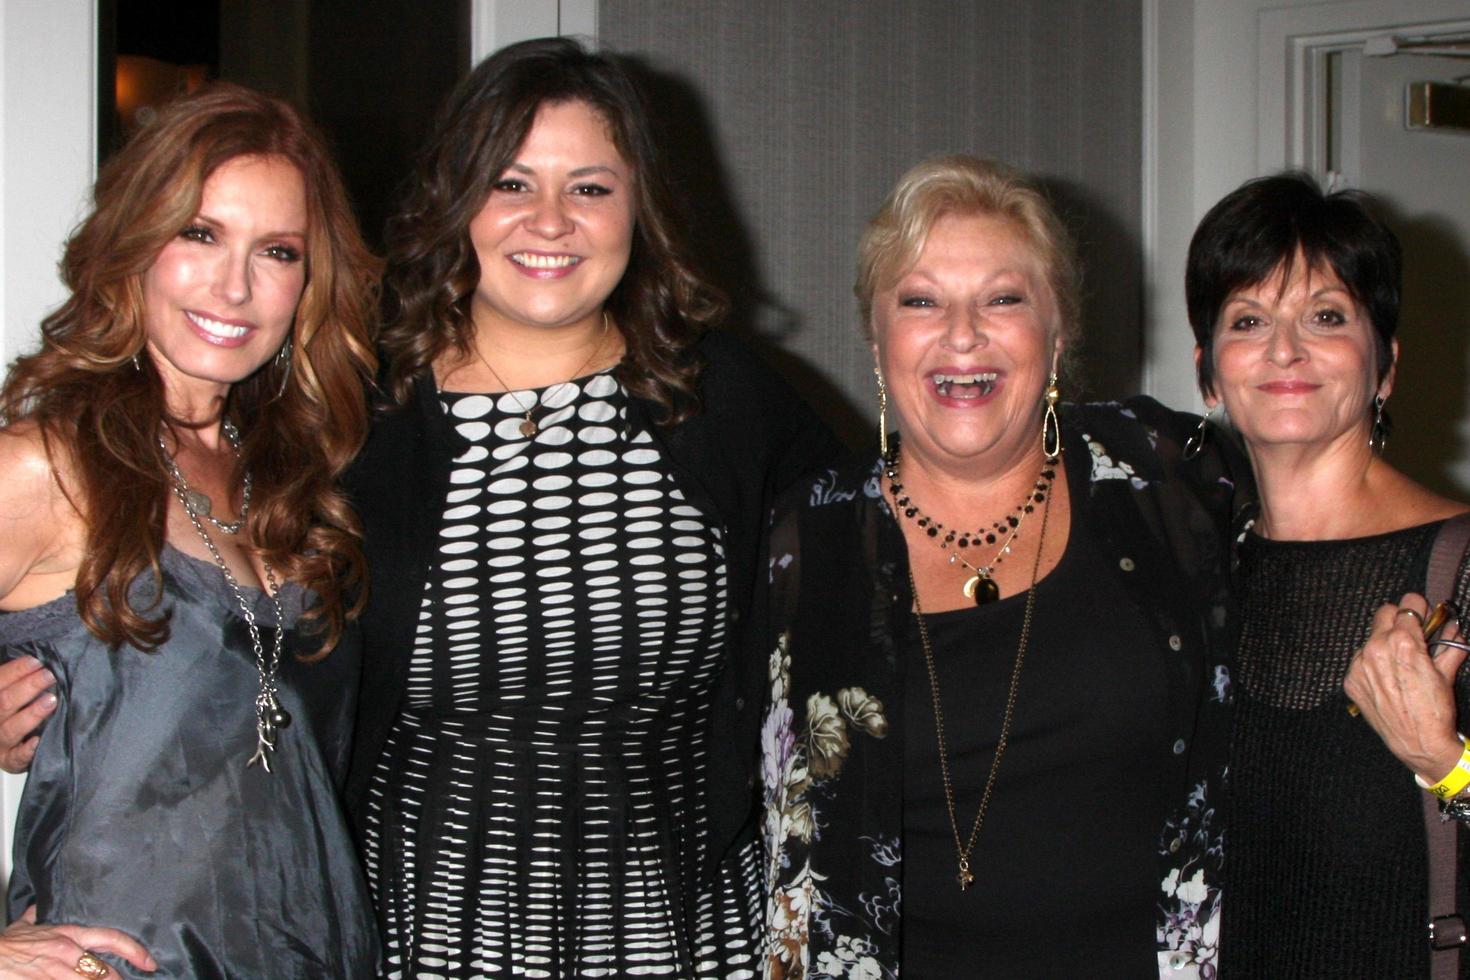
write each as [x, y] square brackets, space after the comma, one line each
[216, 328]
[965, 385]
[544, 261]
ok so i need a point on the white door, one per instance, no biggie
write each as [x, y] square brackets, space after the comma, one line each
[1329, 106]
[1423, 176]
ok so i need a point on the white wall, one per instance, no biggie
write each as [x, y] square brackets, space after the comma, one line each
[47, 132]
[496, 23]
[47, 152]
[1199, 78]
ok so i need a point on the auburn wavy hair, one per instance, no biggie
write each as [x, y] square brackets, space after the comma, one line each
[98, 403]
[661, 304]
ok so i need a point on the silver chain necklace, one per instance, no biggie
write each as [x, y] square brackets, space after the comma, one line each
[199, 503]
[270, 717]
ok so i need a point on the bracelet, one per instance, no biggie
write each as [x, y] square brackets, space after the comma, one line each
[1454, 783]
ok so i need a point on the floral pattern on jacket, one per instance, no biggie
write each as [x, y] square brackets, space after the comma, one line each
[832, 753]
[797, 763]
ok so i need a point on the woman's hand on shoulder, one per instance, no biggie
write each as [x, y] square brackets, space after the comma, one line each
[36, 526]
[1404, 693]
[26, 699]
[29, 950]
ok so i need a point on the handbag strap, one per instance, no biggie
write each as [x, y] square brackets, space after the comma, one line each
[1446, 927]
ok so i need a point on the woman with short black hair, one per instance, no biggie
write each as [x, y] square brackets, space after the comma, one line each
[1294, 300]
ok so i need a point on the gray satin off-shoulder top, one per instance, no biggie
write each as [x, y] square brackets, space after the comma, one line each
[140, 814]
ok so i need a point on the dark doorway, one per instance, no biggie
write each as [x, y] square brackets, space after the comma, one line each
[370, 72]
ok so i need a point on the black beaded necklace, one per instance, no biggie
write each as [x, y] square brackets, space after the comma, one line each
[979, 585]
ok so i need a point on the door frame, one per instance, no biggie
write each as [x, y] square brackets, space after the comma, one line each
[1292, 68]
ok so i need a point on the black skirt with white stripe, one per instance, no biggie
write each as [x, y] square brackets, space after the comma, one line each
[539, 807]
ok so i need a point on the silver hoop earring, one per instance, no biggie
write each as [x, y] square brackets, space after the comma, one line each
[1195, 444]
[1051, 429]
[882, 414]
[1378, 435]
[283, 364]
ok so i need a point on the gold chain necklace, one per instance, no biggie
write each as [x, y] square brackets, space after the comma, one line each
[965, 877]
[528, 427]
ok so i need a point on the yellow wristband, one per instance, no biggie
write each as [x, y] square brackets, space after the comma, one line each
[1455, 782]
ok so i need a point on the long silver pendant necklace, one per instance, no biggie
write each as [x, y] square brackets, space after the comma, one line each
[270, 717]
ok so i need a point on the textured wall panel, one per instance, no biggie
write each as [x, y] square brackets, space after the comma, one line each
[787, 121]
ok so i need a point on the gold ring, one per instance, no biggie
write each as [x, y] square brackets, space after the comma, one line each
[90, 966]
[1411, 612]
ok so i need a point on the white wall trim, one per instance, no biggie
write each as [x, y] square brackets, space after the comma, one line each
[496, 23]
[1168, 200]
[48, 125]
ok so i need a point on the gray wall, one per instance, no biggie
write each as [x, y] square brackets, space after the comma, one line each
[787, 121]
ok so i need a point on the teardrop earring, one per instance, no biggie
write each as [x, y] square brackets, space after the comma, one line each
[882, 414]
[1051, 429]
[1378, 435]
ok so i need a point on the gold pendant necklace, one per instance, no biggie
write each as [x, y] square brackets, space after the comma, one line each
[528, 426]
[965, 877]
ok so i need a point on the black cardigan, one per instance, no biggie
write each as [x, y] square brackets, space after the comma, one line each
[752, 439]
[834, 738]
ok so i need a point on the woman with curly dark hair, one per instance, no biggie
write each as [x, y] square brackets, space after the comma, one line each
[169, 516]
[564, 501]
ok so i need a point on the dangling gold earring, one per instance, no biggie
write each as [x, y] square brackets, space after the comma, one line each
[1378, 435]
[882, 414]
[1051, 430]
[1195, 444]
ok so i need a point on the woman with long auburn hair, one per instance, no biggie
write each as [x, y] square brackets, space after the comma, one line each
[564, 500]
[176, 558]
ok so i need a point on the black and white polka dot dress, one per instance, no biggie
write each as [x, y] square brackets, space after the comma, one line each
[539, 807]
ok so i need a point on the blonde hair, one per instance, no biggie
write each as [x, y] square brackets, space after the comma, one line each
[965, 185]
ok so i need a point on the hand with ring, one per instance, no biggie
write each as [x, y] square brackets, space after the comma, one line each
[1406, 693]
[90, 966]
[64, 952]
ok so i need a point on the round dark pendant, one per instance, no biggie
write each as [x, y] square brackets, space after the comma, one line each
[983, 591]
[281, 718]
[528, 428]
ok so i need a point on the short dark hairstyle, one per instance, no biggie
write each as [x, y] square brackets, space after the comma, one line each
[1262, 227]
[661, 304]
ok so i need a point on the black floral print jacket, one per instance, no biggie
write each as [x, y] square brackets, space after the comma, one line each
[832, 753]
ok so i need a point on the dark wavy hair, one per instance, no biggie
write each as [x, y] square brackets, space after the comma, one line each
[661, 303]
[1263, 226]
[98, 402]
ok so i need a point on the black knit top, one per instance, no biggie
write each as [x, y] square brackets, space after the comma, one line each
[1327, 872]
